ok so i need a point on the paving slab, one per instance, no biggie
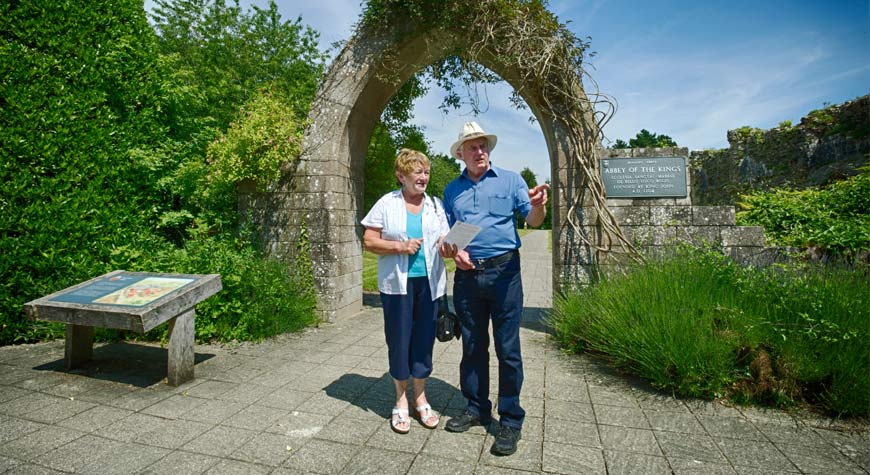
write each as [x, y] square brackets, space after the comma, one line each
[319, 402]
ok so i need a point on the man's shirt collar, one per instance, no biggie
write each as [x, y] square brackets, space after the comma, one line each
[491, 171]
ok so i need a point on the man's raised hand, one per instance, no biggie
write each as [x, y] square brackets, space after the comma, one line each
[538, 195]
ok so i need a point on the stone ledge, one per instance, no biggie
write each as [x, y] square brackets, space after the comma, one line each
[700, 235]
[670, 215]
[713, 215]
[757, 256]
[742, 236]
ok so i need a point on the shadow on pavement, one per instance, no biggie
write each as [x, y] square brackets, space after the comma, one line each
[123, 362]
[371, 299]
[535, 318]
[377, 394]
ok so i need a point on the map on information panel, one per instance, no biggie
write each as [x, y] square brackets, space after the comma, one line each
[124, 289]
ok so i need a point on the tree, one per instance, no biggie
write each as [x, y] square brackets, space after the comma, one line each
[620, 144]
[391, 134]
[222, 59]
[444, 170]
[233, 53]
[645, 139]
[529, 177]
[379, 174]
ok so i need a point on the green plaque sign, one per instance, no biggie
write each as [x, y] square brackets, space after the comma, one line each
[660, 177]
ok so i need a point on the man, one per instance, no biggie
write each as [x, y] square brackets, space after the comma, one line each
[487, 284]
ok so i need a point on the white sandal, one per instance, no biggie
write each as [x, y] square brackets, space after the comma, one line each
[399, 416]
[429, 415]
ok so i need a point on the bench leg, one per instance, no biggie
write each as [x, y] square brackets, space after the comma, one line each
[180, 364]
[79, 345]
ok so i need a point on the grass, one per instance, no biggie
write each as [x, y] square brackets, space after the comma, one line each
[699, 325]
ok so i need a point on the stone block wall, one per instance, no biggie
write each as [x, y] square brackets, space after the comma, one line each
[654, 224]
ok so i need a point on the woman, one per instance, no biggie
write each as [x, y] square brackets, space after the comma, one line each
[404, 228]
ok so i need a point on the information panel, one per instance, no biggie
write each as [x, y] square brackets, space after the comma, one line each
[124, 288]
[660, 177]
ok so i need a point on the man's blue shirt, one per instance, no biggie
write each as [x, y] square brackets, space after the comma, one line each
[490, 203]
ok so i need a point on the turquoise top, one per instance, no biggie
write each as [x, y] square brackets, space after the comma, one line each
[416, 261]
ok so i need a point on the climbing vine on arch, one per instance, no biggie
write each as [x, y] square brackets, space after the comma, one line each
[547, 60]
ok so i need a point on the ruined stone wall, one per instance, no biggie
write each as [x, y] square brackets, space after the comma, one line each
[829, 144]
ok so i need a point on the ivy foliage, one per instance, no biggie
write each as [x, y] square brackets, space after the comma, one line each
[254, 148]
[835, 219]
[489, 25]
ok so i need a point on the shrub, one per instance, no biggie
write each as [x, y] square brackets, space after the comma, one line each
[699, 325]
[661, 321]
[836, 219]
[261, 297]
[265, 136]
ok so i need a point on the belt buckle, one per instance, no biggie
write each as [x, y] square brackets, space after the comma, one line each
[478, 264]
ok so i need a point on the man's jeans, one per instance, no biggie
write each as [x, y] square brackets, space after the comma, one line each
[494, 293]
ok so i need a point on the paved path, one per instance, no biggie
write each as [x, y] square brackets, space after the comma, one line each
[318, 403]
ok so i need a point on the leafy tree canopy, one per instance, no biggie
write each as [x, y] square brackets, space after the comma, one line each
[230, 53]
[645, 139]
[226, 61]
[444, 170]
[529, 177]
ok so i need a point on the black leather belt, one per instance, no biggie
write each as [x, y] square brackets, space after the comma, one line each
[481, 264]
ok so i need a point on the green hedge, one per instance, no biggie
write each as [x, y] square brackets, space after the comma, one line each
[87, 113]
[80, 97]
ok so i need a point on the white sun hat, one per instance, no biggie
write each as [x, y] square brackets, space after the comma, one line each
[470, 131]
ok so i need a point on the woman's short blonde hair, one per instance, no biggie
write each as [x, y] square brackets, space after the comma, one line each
[408, 160]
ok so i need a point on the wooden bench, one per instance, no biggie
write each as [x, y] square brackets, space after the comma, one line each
[136, 301]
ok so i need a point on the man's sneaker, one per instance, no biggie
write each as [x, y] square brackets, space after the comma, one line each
[506, 440]
[464, 422]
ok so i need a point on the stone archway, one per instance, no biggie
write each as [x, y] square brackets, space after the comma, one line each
[325, 187]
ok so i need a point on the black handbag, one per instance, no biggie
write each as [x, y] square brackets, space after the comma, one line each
[446, 323]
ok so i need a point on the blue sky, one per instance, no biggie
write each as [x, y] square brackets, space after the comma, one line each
[688, 69]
